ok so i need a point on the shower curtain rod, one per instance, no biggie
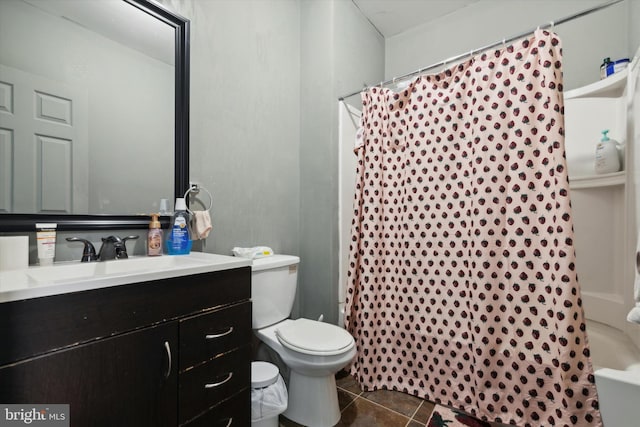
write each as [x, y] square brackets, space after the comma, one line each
[551, 24]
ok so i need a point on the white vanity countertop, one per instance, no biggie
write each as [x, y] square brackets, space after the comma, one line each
[67, 277]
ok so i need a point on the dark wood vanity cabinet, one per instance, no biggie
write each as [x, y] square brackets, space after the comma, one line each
[165, 353]
[126, 377]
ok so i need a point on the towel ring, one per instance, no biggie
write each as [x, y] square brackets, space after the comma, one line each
[194, 190]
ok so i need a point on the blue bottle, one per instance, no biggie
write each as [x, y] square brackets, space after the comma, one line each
[178, 239]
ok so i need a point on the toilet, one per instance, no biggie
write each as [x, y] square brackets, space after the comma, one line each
[313, 351]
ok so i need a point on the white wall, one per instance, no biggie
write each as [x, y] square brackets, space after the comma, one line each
[586, 40]
[245, 119]
[634, 28]
[340, 51]
[265, 77]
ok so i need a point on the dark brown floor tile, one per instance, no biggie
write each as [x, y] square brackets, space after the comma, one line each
[403, 403]
[345, 398]
[363, 413]
[414, 423]
[424, 411]
[348, 383]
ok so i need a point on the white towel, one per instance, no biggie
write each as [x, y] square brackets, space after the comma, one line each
[634, 314]
[253, 253]
[201, 224]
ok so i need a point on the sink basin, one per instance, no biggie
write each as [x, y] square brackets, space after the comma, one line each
[76, 276]
[71, 271]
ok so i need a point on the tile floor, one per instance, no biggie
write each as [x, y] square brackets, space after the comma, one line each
[380, 408]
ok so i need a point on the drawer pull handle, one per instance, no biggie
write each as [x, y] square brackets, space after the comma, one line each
[218, 384]
[167, 347]
[225, 333]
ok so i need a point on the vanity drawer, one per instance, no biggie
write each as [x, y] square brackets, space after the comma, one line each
[235, 411]
[207, 335]
[203, 387]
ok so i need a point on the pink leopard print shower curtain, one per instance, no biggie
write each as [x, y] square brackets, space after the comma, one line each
[462, 281]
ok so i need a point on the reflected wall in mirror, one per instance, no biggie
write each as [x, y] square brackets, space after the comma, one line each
[93, 108]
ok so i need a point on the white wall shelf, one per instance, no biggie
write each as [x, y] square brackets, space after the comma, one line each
[610, 87]
[595, 181]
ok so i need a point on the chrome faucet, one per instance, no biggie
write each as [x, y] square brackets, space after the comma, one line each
[113, 247]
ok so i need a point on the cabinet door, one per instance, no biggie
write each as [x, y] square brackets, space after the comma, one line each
[130, 379]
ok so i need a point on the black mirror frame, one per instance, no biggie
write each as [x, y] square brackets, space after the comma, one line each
[26, 222]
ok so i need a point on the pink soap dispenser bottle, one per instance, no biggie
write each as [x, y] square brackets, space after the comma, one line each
[154, 238]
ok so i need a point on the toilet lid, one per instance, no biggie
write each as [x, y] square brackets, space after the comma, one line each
[313, 337]
[263, 374]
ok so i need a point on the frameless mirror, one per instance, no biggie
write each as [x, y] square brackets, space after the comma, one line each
[93, 112]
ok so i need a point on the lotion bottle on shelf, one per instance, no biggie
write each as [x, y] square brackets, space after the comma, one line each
[607, 157]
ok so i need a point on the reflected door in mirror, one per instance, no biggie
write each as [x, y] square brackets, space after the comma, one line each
[102, 73]
[43, 145]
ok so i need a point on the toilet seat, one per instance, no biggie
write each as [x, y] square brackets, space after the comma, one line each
[314, 338]
[263, 374]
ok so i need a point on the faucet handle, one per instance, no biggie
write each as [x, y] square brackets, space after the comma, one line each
[89, 251]
[113, 247]
[121, 249]
[108, 249]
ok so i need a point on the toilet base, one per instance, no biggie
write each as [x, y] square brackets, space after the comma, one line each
[322, 391]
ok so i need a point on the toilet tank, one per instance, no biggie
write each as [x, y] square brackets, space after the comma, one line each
[273, 288]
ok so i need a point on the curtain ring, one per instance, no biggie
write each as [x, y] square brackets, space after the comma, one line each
[552, 25]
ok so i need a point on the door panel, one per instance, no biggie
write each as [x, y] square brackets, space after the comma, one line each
[55, 180]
